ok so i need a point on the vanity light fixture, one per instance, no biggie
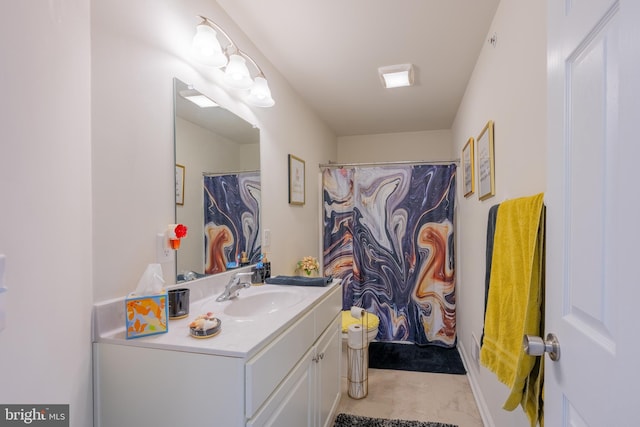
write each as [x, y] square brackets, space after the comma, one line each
[393, 76]
[207, 50]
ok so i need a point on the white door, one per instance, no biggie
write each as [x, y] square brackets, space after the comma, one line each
[593, 213]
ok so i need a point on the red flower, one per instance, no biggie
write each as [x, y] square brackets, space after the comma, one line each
[181, 231]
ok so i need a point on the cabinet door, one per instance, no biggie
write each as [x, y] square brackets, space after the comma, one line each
[273, 363]
[290, 404]
[328, 374]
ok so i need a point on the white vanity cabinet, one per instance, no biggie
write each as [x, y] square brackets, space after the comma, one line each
[136, 386]
[310, 392]
[291, 380]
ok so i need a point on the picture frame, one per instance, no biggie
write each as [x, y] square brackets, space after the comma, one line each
[296, 180]
[486, 162]
[180, 171]
[468, 168]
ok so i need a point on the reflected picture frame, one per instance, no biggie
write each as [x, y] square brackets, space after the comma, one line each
[468, 168]
[486, 162]
[180, 170]
[296, 180]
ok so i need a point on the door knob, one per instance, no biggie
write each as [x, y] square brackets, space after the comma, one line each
[536, 346]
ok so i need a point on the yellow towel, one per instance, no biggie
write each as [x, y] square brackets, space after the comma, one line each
[515, 302]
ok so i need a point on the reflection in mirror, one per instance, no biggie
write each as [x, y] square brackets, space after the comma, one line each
[217, 187]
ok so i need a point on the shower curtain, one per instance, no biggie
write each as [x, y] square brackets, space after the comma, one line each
[231, 219]
[388, 234]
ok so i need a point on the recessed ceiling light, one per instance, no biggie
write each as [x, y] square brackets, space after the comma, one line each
[396, 75]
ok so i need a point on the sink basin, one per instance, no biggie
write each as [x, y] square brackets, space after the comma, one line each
[262, 303]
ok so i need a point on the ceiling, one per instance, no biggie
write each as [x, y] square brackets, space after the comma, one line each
[330, 50]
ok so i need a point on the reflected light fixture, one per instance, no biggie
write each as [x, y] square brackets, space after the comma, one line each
[393, 76]
[197, 98]
[207, 50]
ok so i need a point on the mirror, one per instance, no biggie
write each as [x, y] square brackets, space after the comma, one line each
[217, 187]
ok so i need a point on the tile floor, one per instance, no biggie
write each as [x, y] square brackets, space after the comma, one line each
[415, 396]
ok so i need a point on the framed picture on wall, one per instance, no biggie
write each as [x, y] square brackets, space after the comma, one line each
[179, 184]
[296, 180]
[468, 168]
[486, 163]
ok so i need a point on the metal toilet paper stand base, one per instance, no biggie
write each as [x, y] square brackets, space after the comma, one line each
[357, 358]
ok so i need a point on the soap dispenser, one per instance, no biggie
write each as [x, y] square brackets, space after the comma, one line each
[244, 259]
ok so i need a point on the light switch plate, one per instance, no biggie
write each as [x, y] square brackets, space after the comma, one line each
[3, 260]
[3, 294]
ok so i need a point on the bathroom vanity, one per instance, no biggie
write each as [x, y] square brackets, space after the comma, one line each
[276, 362]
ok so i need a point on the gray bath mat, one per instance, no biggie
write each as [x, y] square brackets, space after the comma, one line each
[348, 420]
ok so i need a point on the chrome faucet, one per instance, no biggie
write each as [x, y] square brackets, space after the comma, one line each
[237, 282]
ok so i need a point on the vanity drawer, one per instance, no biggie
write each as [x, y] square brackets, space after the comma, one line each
[270, 366]
[327, 310]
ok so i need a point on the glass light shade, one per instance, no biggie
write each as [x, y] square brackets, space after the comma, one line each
[236, 75]
[396, 75]
[206, 47]
[398, 79]
[260, 94]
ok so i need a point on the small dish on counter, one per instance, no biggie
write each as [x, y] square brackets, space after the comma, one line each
[205, 326]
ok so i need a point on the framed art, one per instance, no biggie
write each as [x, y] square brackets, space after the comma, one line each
[468, 168]
[486, 163]
[296, 180]
[179, 184]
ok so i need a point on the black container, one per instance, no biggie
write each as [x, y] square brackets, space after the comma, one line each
[267, 269]
[257, 275]
[261, 273]
[178, 303]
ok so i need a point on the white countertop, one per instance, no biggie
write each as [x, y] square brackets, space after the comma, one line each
[239, 336]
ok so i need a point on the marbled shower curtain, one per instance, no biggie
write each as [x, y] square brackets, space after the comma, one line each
[388, 233]
[231, 219]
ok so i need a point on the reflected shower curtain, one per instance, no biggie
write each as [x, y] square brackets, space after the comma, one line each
[231, 219]
[388, 234]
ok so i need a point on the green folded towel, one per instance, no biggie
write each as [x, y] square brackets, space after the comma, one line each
[299, 280]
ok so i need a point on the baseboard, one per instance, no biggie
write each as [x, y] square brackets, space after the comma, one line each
[487, 420]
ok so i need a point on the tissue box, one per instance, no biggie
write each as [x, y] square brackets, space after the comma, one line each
[146, 315]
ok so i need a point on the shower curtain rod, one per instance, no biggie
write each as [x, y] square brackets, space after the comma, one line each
[228, 173]
[409, 162]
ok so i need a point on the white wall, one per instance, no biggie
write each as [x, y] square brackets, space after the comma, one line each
[508, 86]
[137, 48]
[45, 212]
[393, 147]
